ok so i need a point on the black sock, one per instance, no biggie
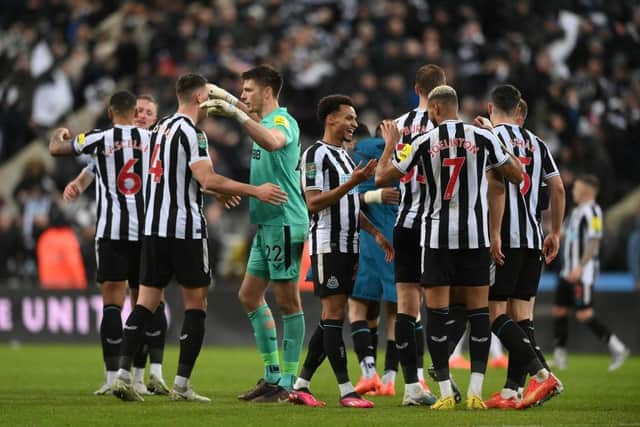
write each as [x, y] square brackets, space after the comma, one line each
[156, 335]
[419, 345]
[361, 338]
[457, 325]
[516, 341]
[437, 341]
[560, 331]
[516, 375]
[334, 347]
[406, 346]
[391, 357]
[191, 338]
[528, 328]
[599, 329]
[373, 349]
[479, 338]
[140, 358]
[111, 336]
[133, 334]
[315, 353]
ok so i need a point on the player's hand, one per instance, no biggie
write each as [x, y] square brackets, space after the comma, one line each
[575, 274]
[550, 247]
[384, 244]
[496, 250]
[216, 92]
[361, 174]
[390, 132]
[483, 122]
[222, 108]
[271, 193]
[61, 134]
[71, 192]
[228, 200]
[390, 196]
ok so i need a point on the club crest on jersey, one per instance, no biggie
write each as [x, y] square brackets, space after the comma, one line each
[310, 170]
[333, 283]
[403, 151]
[202, 140]
[281, 121]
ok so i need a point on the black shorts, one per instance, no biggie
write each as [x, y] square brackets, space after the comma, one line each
[573, 295]
[186, 259]
[333, 273]
[456, 267]
[519, 277]
[406, 243]
[117, 261]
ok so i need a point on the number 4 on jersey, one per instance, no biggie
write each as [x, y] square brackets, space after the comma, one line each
[156, 165]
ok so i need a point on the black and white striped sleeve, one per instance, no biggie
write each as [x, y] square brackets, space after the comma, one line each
[497, 156]
[406, 156]
[549, 167]
[86, 143]
[312, 172]
[197, 144]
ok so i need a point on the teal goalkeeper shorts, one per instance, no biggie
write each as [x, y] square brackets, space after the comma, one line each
[276, 252]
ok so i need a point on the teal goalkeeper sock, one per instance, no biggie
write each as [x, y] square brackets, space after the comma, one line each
[264, 329]
[293, 338]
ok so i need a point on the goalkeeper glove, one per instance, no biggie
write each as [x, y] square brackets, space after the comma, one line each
[216, 92]
[222, 108]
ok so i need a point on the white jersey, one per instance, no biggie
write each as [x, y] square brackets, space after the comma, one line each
[584, 224]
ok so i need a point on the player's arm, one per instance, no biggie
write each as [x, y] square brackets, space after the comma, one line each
[496, 196]
[229, 201]
[385, 196]
[269, 139]
[318, 200]
[61, 143]
[557, 202]
[79, 184]
[387, 173]
[384, 244]
[212, 181]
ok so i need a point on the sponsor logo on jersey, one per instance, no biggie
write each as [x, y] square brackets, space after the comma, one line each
[81, 140]
[281, 121]
[202, 140]
[310, 170]
[596, 223]
[403, 151]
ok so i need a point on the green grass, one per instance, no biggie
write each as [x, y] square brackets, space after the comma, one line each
[53, 385]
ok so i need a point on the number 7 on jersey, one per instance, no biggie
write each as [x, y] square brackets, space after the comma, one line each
[456, 163]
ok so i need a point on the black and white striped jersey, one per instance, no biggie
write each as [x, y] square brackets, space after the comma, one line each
[584, 223]
[412, 186]
[174, 197]
[520, 225]
[455, 156]
[120, 162]
[335, 228]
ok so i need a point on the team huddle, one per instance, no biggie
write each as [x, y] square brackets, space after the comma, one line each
[430, 211]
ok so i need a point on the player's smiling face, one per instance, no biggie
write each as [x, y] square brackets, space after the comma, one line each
[146, 113]
[345, 122]
[252, 96]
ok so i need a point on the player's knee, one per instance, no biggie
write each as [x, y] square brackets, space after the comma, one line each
[584, 314]
[114, 293]
[289, 305]
[558, 311]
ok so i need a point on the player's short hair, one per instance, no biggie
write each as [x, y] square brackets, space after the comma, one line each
[147, 97]
[590, 180]
[506, 98]
[429, 77]
[445, 94]
[122, 102]
[362, 132]
[524, 108]
[187, 84]
[265, 76]
[331, 104]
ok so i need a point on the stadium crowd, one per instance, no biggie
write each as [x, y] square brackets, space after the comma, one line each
[576, 62]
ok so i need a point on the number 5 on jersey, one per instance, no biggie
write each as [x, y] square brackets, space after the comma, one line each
[155, 168]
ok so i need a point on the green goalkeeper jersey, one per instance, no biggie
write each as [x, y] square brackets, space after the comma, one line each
[279, 167]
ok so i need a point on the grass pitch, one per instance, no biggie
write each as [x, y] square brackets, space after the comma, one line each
[53, 385]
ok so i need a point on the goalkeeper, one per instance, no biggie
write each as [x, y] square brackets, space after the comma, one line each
[276, 250]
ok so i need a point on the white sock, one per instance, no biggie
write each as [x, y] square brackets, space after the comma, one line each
[413, 389]
[124, 374]
[542, 375]
[138, 375]
[110, 377]
[156, 369]
[346, 388]
[496, 347]
[420, 374]
[389, 377]
[181, 381]
[615, 345]
[301, 383]
[475, 384]
[508, 393]
[368, 367]
[520, 393]
[445, 389]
